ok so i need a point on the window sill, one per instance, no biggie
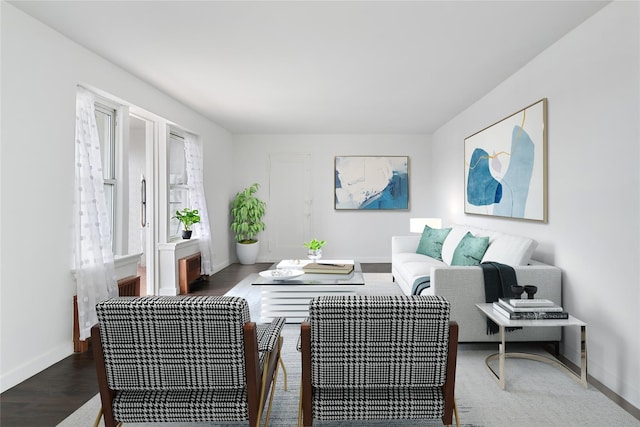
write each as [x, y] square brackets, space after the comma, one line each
[125, 265]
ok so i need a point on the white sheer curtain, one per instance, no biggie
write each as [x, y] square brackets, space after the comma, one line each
[92, 254]
[195, 178]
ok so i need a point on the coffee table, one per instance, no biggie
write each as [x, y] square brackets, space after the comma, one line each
[503, 323]
[290, 298]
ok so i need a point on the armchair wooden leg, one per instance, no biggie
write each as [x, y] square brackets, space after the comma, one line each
[263, 386]
[273, 383]
[98, 418]
[284, 371]
[455, 413]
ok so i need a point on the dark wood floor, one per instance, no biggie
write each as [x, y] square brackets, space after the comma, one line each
[52, 395]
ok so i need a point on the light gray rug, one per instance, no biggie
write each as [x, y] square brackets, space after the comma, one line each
[537, 394]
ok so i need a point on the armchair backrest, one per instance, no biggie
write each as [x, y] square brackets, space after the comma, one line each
[174, 343]
[379, 341]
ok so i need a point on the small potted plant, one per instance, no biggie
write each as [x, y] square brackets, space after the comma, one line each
[187, 217]
[315, 248]
[247, 212]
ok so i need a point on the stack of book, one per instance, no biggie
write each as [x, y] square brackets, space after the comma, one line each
[529, 309]
[328, 268]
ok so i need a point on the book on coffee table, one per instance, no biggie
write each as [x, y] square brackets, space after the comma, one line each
[328, 268]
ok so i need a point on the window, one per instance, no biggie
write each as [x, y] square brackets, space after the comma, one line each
[106, 122]
[178, 182]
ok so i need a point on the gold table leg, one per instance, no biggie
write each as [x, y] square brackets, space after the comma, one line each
[502, 355]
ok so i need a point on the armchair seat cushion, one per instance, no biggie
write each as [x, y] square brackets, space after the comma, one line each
[180, 406]
[377, 403]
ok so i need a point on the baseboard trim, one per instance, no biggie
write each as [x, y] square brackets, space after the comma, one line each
[612, 395]
[35, 366]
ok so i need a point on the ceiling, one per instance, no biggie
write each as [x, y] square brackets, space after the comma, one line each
[318, 67]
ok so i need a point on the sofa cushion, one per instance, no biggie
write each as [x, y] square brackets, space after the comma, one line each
[431, 242]
[451, 242]
[511, 250]
[470, 250]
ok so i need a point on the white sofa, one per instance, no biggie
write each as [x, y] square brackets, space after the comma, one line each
[463, 286]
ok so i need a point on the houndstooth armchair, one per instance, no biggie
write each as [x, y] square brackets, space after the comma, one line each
[184, 359]
[378, 357]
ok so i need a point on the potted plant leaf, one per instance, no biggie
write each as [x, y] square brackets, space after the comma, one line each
[247, 212]
[187, 217]
[315, 249]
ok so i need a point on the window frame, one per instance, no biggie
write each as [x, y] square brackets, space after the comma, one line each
[176, 135]
[109, 157]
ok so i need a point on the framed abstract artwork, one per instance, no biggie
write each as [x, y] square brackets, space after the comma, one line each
[505, 166]
[371, 182]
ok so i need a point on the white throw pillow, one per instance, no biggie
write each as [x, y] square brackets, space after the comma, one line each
[451, 242]
[511, 250]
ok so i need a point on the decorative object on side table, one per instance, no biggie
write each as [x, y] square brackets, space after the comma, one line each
[517, 291]
[247, 212]
[315, 248]
[187, 217]
[531, 291]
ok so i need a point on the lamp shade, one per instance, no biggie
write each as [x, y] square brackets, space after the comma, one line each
[416, 225]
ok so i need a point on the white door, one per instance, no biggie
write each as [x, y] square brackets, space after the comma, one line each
[289, 207]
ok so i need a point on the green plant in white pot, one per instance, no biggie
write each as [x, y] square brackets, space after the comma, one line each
[247, 212]
[187, 217]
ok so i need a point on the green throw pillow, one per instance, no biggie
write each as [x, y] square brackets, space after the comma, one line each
[431, 242]
[470, 250]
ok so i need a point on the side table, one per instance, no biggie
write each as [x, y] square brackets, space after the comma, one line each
[504, 323]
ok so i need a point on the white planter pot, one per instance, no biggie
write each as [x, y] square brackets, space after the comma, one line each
[247, 252]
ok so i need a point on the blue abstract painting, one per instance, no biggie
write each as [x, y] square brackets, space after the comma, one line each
[371, 183]
[505, 166]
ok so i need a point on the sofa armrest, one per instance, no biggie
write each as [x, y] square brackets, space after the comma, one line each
[403, 244]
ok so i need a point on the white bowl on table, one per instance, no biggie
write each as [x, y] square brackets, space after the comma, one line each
[281, 273]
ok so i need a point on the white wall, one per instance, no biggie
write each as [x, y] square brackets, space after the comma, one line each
[40, 71]
[365, 234]
[591, 79]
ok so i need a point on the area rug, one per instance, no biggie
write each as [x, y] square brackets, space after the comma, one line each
[536, 395]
